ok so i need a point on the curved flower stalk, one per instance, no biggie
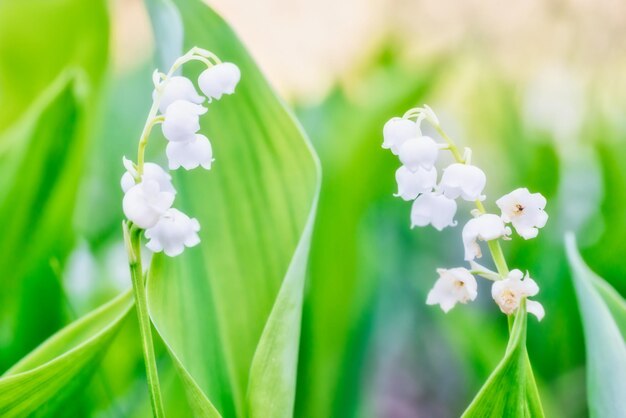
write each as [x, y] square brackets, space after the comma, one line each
[148, 190]
[436, 204]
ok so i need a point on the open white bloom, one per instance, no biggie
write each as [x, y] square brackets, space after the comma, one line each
[419, 152]
[145, 202]
[177, 88]
[466, 181]
[454, 286]
[173, 232]
[397, 131]
[508, 293]
[182, 120]
[524, 210]
[151, 171]
[190, 154]
[219, 79]
[485, 227]
[434, 209]
[412, 184]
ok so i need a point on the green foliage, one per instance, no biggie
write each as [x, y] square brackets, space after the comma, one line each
[603, 313]
[511, 390]
[239, 294]
[48, 378]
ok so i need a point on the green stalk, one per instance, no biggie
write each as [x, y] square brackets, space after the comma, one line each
[133, 243]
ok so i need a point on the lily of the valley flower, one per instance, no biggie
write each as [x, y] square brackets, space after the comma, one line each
[151, 171]
[177, 88]
[508, 293]
[412, 184]
[172, 233]
[190, 154]
[454, 286]
[397, 131]
[182, 120]
[434, 209]
[144, 203]
[419, 152]
[485, 227]
[525, 211]
[219, 80]
[463, 180]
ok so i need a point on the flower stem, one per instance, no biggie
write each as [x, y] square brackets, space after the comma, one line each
[133, 243]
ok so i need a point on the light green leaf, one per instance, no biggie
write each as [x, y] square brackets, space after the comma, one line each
[62, 365]
[603, 313]
[229, 310]
[511, 390]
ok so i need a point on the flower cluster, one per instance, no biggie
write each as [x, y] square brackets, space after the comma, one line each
[177, 106]
[435, 203]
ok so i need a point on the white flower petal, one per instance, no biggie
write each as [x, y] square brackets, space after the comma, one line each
[144, 203]
[219, 79]
[173, 232]
[485, 227]
[190, 154]
[396, 131]
[524, 210]
[151, 171]
[434, 209]
[535, 308]
[419, 152]
[462, 180]
[412, 184]
[182, 120]
[177, 88]
[454, 286]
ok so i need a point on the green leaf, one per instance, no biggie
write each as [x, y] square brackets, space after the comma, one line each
[603, 313]
[511, 390]
[61, 366]
[229, 310]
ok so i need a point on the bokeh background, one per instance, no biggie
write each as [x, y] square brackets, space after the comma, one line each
[538, 90]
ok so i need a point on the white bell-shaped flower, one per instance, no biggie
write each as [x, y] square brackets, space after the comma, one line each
[177, 88]
[454, 286]
[151, 171]
[419, 152]
[508, 293]
[462, 180]
[182, 120]
[219, 79]
[412, 184]
[145, 202]
[434, 209]
[397, 131]
[485, 227]
[190, 154]
[172, 233]
[525, 211]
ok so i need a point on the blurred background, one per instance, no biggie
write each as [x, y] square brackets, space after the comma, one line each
[537, 88]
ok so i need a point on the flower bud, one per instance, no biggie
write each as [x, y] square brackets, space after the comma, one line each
[219, 79]
[434, 209]
[182, 120]
[173, 232]
[177, 88]
[419, 152]
[145, 202]
[397, 131]
[462, 180]
[151, 171]
[410, 184]
[190, 154]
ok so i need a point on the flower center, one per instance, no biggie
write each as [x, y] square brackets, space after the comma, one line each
[518, 209]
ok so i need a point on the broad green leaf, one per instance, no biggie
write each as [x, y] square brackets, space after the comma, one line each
[229, 310]
[511, 390]
[60, 367]
[603, 314]
[53, 56]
